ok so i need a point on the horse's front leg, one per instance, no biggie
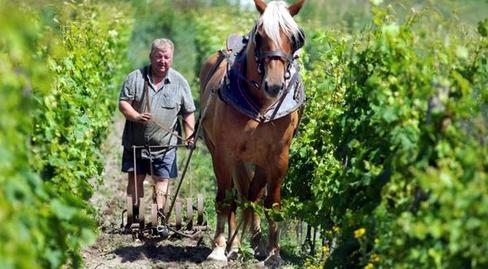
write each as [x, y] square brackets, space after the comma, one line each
[223, 208]
[234, 242]
[256, 192]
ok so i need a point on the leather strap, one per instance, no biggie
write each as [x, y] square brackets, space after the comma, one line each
[222, 55]
[273, 54]
[146, 91]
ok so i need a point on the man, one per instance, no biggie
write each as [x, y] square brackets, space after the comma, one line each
[151, 99]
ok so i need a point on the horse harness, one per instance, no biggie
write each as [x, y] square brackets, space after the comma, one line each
[231, 89]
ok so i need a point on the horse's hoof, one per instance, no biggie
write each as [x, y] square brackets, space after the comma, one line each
[260, 252]
[218, 254]
[233, 255]
[273, 261]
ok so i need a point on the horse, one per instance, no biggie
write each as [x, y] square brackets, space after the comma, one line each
[250, 152]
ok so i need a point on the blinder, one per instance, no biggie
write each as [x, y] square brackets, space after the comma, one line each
[297, 42]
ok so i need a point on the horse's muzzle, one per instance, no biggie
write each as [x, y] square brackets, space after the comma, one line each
[272, 90]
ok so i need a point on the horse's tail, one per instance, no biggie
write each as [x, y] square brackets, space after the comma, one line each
[243, 176]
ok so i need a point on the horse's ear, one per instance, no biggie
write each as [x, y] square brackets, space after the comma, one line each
[295, 7]
[260, 5]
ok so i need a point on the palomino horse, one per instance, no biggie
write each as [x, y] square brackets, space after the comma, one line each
[252, 152]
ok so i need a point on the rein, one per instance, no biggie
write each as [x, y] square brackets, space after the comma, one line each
[221, 57]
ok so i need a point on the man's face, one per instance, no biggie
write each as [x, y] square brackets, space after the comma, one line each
[161, 60]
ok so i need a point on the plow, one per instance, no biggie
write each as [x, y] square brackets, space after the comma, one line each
[143, 221]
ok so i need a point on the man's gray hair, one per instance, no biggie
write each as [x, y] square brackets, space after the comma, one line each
[162, 43]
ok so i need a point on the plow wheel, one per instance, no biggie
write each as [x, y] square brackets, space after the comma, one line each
[189, 214]
[200, 209]
[178, 215]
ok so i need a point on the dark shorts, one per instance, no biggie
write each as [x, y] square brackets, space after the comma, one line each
[164, 166]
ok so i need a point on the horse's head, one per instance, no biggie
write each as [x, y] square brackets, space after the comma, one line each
[275, 38]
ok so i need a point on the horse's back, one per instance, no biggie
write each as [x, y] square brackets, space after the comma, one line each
[208, 72]
[211, 73]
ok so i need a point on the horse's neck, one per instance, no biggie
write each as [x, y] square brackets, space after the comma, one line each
[252, 75]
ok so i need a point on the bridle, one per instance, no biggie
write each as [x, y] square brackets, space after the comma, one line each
[261, 56]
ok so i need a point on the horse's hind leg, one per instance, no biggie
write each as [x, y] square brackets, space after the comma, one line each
[234, 242]
[241, 182]
[223, 206]
[273, 201]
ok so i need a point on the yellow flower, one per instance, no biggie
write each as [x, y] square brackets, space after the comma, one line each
[375, 257]
[369, 266]
[336, 229]
[325, 249]
[310, 265]
[359, 232]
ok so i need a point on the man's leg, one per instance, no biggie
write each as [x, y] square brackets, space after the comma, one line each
[162, 185]
[140, 186]
[164, 168]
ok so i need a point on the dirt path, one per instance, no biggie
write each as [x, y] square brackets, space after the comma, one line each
[120, 251]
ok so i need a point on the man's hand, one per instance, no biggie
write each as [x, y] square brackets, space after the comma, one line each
[190, 143]
[189, 125]
[131, 114]
[143, 117]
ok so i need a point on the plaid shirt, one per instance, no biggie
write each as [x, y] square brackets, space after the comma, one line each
[170, 100]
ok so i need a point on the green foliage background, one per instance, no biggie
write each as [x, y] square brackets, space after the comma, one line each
[59, 65]
[390, 164]
[393, 143]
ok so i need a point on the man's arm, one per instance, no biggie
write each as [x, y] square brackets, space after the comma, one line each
[189, 126]
[131, 114]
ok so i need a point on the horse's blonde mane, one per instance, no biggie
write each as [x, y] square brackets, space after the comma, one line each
[275, 17]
